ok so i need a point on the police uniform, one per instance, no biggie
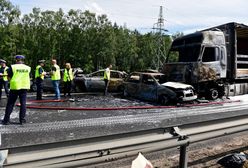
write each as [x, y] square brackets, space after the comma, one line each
[19, 84]
[4, 79]
[39, 77]
[67, 79]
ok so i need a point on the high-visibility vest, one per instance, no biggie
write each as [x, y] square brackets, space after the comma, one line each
[5, 74]
[107, 74]
[56, 74]
[20, 78]
[68, 75]
[37, 73]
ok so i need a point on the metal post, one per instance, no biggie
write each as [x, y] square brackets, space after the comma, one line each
[183, 161]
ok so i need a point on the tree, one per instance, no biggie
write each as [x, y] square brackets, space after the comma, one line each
[79, 37]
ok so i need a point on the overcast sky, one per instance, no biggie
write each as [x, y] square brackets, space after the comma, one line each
[180, 15]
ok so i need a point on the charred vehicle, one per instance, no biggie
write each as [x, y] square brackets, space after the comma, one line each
[153, 87]
[94, 81]
[210, 59]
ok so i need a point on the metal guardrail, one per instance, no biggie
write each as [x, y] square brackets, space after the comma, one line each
[107, 148]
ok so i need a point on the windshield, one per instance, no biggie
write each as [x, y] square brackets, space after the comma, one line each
[184, 54]
[160, 78]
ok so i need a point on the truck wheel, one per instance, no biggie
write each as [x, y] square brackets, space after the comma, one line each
[212, 94]
[164, 100]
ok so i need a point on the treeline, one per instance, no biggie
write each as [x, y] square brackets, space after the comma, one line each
[79, 37]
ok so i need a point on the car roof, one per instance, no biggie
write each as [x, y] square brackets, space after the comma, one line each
[122, 72]
[149, 73]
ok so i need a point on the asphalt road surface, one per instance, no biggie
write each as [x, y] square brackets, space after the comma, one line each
[46, 125]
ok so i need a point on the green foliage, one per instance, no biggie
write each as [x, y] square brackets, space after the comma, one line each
[79, 37]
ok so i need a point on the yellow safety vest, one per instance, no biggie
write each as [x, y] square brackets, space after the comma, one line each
[20, 78]
[5, 74]
[37, 73]
[68, 75]
[107, 74]
[56, 74]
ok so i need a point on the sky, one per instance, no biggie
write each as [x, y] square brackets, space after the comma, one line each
[180, 15]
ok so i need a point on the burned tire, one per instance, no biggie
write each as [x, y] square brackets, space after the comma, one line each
[164, 100]
[212, 94]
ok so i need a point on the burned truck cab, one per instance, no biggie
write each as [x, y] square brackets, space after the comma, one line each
[199, 59]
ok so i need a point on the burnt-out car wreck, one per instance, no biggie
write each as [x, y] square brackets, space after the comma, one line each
[153, 87]
[94, 81]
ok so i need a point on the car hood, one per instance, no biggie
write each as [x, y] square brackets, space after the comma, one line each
[176, 85]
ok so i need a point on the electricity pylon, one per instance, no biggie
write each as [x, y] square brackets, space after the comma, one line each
[160, 54]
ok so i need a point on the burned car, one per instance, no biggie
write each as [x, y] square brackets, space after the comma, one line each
[154, 87]
[94, 81]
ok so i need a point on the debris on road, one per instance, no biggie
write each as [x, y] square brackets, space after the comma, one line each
[141, 162]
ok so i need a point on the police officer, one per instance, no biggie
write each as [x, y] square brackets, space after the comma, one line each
[55, 72]
[3, 78]
[39, 77]
[106, 78]
[67, 79]
[19, 75]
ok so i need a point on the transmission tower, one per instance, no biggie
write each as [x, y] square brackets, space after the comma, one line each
[160, 54]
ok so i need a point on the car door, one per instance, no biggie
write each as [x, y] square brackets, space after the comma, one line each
[115, 81]
[148, 88]
[95, 81]
[47, 83]
[132, 85]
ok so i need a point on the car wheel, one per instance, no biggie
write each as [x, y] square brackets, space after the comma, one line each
[164, 100]
[212, 94]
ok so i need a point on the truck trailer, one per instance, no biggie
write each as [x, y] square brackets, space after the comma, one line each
[212, 60]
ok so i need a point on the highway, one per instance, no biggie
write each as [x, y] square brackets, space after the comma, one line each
[47, 126]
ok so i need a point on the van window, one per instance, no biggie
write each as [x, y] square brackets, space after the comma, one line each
[211, 54]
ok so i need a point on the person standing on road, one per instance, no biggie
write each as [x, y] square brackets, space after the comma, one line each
[55, 75]
[19, 75]
[107, 78]
[67, 79]
[39, 77]
[4, 78]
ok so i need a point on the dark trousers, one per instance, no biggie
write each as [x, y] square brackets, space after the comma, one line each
[39, 84]
[13, 95]
[67, 88]
[106, 86]
[6, 88]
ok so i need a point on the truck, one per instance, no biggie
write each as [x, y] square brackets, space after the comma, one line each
[214, 60]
